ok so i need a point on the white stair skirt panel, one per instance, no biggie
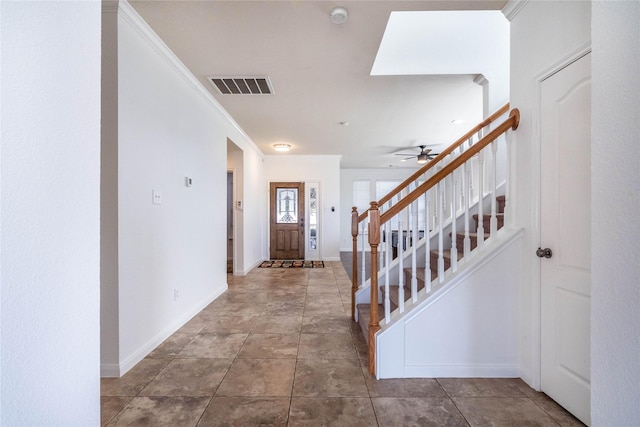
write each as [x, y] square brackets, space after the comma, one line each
[468, 328]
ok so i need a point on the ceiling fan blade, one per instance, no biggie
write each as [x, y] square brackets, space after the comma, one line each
[405, 154]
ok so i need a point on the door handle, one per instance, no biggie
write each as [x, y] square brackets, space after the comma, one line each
[544, 253]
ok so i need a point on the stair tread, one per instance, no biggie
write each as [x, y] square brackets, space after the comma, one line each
[364, 311]
[488, 215]
[472, 234]
[446, 253]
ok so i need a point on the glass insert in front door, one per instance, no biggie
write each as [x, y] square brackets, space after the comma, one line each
[287, 205]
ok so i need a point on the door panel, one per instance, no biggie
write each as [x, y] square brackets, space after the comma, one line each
[565, 220]
[286, 220]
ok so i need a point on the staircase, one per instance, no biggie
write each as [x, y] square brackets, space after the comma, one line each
[440, 223]
[364, 309]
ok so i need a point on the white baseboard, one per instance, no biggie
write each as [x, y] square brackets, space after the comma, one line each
[462, 371]
[111, 370]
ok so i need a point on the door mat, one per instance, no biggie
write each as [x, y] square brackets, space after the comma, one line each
[292, 264]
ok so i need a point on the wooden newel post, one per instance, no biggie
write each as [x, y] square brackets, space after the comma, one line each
[374, 241]
[354, 265]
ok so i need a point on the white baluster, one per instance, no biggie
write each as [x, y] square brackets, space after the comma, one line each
[427, 242]
[507, 187]
[493, 223]
[440, 190]
[362, 233]
[401, 242]
[387, 301]
[480, 229]
[466, 193]
[415, 237]
[454, 209]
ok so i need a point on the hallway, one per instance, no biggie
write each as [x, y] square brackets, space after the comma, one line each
[279, 349]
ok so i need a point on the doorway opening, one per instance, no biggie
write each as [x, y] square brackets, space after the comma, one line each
[230, 221]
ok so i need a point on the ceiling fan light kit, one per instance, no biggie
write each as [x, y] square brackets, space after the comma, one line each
[422, 158]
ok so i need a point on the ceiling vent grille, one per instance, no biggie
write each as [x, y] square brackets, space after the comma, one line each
[242, 85]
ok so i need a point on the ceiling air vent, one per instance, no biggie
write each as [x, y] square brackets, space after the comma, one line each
[242, 85]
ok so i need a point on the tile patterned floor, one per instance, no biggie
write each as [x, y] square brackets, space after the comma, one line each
[279, 349]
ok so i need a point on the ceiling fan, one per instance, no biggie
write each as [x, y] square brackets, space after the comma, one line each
[424, 156]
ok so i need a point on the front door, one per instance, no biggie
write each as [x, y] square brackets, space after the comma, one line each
[286, 220]
[565, 220]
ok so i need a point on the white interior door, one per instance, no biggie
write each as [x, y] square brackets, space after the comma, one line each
[565, 229]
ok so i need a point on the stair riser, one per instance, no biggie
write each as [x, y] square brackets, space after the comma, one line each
[460, 242]
[486, 222]
[434, 262]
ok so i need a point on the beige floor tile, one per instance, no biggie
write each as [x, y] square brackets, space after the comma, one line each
[110, 406]
[480, 387]
[404, 387]
[242, 309]
[161, 411]
[325, 325]
[329, 378]
[258, 377]
[336, 411]
[171, 346]
[246, 411]
[133, 381]
[283, 309]
[507, 412]
[230, 325]
[188, 377]
[326, 346]
[214, 346]
[555, 411]
[270, 346]
[278, 325]
[418, 412]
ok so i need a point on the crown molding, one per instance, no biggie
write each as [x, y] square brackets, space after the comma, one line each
[481, 80]
[109, 6]
[131, 17]
[513, 7]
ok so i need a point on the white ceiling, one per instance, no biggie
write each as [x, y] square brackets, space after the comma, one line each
[321, 73]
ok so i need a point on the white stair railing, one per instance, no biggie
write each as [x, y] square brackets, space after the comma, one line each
[454, 172]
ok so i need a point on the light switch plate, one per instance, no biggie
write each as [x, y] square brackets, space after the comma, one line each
[156, 197]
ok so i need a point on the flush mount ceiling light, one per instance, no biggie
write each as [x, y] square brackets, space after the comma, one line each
[282, 147]
[339, 15]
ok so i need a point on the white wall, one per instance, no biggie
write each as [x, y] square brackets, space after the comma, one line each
[347, 177]
[322, 169]
[544, 35]
[171, 257]
[615, 198]
[468, 328]
[50, 177]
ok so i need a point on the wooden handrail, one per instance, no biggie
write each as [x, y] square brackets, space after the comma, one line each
[439, 157]
[512, 122]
